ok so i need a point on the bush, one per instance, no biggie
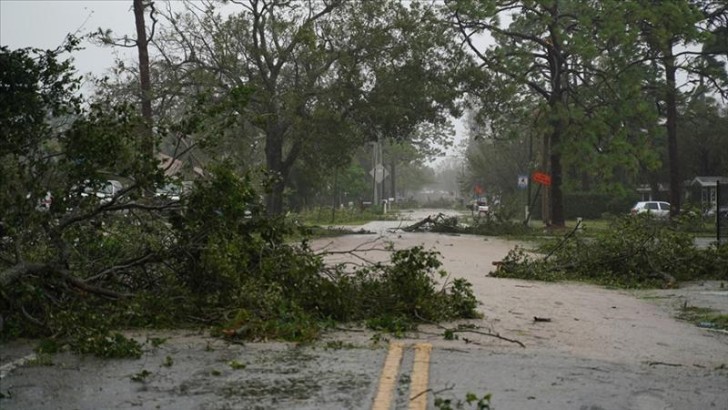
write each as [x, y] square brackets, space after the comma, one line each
[222, 261]
[592, 205]
[634, 252]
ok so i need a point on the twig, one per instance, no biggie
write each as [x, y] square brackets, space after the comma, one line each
[663, 364]
[434, 392]
[456, 330]
[496, 335]
[563, 241]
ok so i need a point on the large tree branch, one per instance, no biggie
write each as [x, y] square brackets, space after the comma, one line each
[17, 271]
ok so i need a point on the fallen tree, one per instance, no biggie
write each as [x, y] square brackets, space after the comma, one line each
[634, 252]
[480, 226]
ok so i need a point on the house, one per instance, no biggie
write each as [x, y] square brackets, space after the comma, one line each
[176, 167]
[703, 191]
[647, 194]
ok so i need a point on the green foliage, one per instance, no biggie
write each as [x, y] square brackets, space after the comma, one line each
[634, 252]
[77, 271]
[704, 317]
[41, 359]
[462, 300]
[141, 376]
[397, 296]
[112, 345]
[482, 225]
[343, 216]
[345, 73]
[236, 365]
[589, 205]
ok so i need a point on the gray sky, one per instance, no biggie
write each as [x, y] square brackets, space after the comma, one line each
[45, 23]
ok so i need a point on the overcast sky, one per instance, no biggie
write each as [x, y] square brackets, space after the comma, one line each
[45, 23]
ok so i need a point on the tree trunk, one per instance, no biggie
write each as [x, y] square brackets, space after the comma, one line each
[557, 197]
[392, 175]
[274, 164]
[671, 105]
[147, 139]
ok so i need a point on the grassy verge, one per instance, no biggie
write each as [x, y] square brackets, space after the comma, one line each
[634, 252]
[344, 216]
[704, 317]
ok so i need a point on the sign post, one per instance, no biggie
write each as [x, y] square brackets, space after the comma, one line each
[523, 184]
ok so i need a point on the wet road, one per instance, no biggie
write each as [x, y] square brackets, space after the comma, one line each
[191, 371]
[603, 350]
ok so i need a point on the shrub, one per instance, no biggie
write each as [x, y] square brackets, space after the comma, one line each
[634, 252]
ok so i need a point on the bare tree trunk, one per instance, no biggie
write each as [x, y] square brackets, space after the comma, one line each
[274, 163]
[557, 197]
[147, 139]
[671, 103]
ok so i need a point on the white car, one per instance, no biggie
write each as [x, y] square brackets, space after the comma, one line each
[105, 192]
[658, 209]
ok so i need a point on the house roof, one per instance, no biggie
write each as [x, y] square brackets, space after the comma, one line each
[647, 188]
[171, 166]
[708, 181]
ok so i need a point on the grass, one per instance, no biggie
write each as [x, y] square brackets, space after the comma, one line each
[344, 216]
[704, 317]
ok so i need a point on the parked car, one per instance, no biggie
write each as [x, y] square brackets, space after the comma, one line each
[658, 209]
[104, 192]
[723, 213]
[480, 206]
[174, 190]
[43, 204]
[169, 191]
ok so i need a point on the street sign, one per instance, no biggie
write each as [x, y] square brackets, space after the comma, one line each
[379, 173]
[541, 178]
[522, 181]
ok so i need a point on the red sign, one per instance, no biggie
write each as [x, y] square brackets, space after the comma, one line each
[542, 178]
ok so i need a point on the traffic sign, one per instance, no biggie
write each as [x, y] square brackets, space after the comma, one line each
[379, 173]
[522, 181]
[541, 178]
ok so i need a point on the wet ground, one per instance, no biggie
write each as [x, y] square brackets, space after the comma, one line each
[600, 349]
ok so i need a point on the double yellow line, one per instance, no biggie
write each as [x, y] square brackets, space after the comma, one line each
[419, 379]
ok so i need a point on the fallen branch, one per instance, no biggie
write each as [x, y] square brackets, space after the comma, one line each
[434, 392]
[15, 272]
[461, 330]
[663, 364]
[495, 335]
[361, 248]
[430, 220]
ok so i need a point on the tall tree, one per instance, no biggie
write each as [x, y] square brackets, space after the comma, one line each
[324, 76]
[665, 26]
[686, 37]
[588, 70]
[538, 54]
[145, 83]
[143, 75]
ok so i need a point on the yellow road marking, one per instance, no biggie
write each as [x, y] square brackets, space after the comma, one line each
[383, 400]
[420, 377]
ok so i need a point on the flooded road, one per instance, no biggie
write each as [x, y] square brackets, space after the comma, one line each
[600, 349]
